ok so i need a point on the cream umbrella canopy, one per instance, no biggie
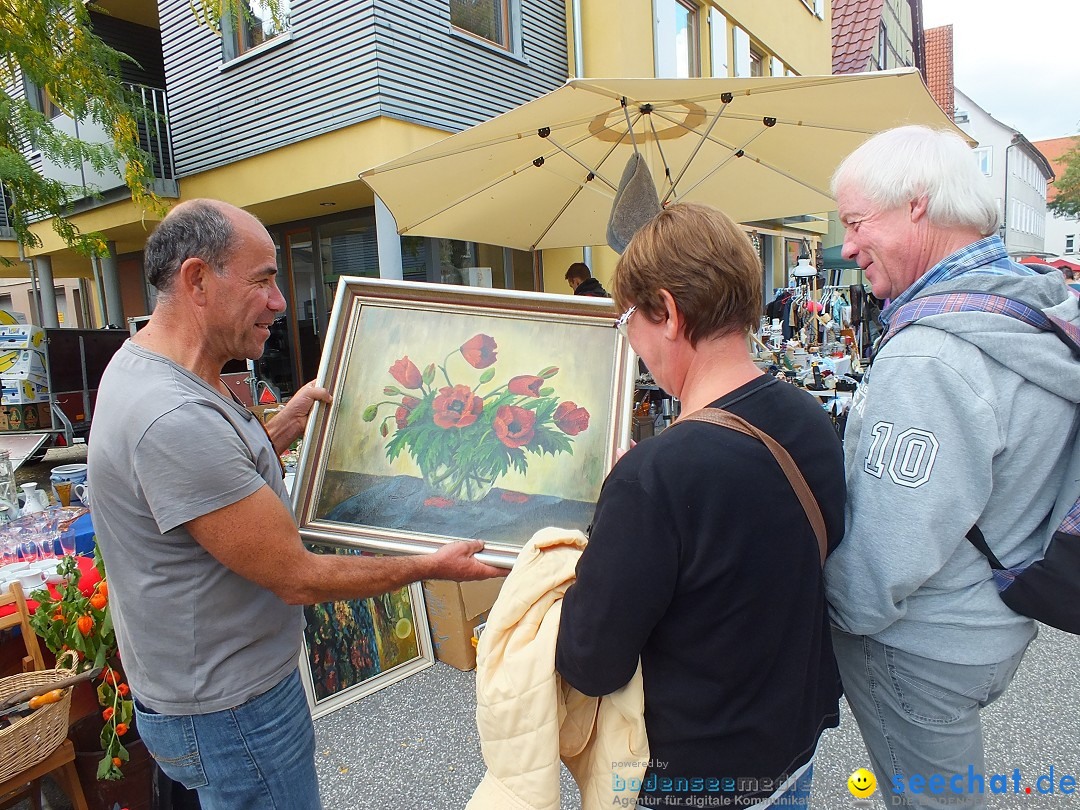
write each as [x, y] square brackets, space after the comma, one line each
[544, 175]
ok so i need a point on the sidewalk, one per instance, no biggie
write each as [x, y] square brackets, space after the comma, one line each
[413, 745]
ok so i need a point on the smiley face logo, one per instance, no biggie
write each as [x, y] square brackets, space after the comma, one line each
[862, 783]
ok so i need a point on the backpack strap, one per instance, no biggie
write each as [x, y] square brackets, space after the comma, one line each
[940, 303]
[718, 416]
[937, 304]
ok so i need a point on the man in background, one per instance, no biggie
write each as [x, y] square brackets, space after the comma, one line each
[581, 281]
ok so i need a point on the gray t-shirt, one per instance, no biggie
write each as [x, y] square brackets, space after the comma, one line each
[166, 448]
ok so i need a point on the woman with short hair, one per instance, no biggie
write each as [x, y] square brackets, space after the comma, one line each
[701, 560]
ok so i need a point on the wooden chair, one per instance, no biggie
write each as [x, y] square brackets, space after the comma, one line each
[61, 762]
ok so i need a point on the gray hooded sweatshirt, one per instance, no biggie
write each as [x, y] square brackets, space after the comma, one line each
[965, 418]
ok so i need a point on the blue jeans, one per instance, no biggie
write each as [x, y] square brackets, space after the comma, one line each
[258, 755]
[920, 718]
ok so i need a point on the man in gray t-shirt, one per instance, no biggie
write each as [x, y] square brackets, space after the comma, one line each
[207, 571]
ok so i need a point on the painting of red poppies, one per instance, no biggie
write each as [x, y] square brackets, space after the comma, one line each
[354, 647]
[461, 413]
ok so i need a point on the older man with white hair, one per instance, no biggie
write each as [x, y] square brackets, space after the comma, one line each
[958, 424]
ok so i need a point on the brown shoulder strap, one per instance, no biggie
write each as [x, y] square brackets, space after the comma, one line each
[718, 416]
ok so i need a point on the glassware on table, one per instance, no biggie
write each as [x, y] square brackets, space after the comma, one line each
[67, 542]
[28, 547]
[9, 551]
[46, 542]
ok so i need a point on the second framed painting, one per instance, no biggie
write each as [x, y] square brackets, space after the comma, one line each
[354, 647]
[462, 414]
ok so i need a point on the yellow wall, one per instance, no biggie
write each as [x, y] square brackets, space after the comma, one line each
[287, 184]
[787, 30]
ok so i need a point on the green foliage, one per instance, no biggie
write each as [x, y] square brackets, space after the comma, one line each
[1066, 203]
[49, 44]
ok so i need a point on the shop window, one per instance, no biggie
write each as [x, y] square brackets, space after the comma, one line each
[678, 54]
[487, 19]
[255, 25]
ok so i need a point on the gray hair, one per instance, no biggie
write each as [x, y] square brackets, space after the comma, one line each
[195, 229]
[899, 165]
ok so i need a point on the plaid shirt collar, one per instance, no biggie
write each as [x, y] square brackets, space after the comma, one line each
[988, 255]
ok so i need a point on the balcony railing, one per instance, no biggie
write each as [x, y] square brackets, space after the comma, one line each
[154, 135]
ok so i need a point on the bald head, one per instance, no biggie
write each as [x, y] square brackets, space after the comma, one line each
[203, 229]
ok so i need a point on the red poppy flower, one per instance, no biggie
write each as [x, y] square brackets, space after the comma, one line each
[514, 425]
[438, 502]
[571, 419]
[479, 351]
[406, 372]
[525, 385]
[402, 414]
[457, 407]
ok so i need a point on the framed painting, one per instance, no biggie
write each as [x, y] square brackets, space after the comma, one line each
[460, 413]
[354, 647]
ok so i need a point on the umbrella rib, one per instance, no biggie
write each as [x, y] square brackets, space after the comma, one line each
[581, 162]
[760, 162]
[410, 160]
[689, 160]
[663, 157]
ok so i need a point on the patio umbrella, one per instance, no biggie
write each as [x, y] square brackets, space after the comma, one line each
[544, 175]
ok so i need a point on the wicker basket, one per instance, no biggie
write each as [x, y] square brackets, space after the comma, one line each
[31, 739]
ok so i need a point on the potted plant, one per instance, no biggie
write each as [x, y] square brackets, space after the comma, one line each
[107, 745]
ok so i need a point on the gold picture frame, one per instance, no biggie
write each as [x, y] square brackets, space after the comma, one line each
[461, 413]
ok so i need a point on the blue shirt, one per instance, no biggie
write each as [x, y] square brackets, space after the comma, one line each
[988, 255]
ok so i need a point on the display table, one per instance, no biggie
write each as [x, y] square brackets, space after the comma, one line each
[88, 578]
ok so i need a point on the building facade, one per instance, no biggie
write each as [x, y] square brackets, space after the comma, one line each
[1062, 238]
[280, 115]
[1018, 173]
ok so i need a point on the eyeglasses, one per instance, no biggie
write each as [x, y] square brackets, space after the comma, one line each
[623, 320]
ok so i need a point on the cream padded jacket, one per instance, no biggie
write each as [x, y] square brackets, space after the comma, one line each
[528, 717]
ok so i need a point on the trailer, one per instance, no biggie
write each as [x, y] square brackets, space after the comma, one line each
[50, 379]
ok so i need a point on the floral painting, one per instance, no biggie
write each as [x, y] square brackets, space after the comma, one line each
[356, 646]
[464, 437]
[464, 421]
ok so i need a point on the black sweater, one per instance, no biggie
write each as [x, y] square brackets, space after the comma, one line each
[701, 561]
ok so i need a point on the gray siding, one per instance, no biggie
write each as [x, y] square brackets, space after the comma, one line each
[431, 76]
[321, 78]
[347, 61]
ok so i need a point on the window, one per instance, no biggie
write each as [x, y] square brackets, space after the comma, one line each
[757, 62]
[256, 25]
[882, 47]
[677, 53]
[40, 100]
[984, 156]
[1070, 243]
[487, 19]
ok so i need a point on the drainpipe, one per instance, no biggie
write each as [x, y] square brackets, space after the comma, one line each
[1005, 207]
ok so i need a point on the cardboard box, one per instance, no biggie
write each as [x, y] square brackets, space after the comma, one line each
[26, 364]
[454, 609]
[265, 413]
[21, 392]
[36, 416]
